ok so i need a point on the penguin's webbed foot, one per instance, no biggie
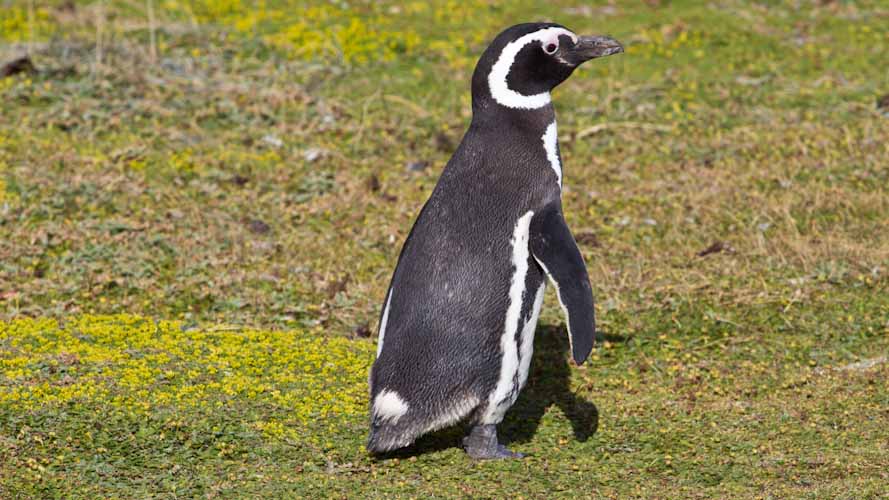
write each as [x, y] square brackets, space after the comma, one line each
[481, 443]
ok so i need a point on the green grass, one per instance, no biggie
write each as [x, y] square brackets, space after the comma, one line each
[249, 184]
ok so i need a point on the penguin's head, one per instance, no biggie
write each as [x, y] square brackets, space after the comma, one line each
[525, 62]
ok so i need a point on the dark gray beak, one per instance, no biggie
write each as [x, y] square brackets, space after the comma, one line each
[591, 47]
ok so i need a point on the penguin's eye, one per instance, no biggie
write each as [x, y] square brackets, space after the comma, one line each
[550, 48]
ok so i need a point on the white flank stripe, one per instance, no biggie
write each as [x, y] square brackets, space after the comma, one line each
[510, 361]
[564, 309]
[500, 70]
[383, 323]
[550, 144]
[527, 347]
[389, 406]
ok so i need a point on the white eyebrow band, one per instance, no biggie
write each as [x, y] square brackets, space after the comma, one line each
[500, 90]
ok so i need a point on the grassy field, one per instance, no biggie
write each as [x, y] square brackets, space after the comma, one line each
[201, 204]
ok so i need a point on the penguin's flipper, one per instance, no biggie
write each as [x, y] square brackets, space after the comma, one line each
[555, 250]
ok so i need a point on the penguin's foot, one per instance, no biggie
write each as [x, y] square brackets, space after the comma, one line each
[481, 443]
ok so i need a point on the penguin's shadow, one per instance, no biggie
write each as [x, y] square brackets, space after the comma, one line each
[549, 383]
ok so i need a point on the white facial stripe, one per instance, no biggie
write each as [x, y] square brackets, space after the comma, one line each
[383, 324]
[551, 35]
[388, 405]
[550, 144]
[510, 362]
[497, 78]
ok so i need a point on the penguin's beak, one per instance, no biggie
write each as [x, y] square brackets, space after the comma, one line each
[591, 47]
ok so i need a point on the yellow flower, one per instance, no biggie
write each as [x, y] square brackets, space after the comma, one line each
[134, 364]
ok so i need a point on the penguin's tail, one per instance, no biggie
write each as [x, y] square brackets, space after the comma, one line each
[394, 421]
[388, 433]
[386, 436]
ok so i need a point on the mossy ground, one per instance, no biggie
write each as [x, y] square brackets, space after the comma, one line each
[243, 180]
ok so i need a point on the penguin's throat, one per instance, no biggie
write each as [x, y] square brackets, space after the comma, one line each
[487, 114]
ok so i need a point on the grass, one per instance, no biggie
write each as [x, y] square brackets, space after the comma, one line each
[195, 243]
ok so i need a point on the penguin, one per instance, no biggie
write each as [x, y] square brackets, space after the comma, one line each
[456, 330]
